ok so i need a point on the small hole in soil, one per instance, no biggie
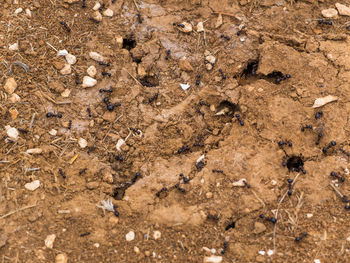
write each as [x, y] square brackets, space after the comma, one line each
[119, 192]
[129, 43]
[149, 81]
[295, 163]
[228, 107]
[251, 69]
[275, 76]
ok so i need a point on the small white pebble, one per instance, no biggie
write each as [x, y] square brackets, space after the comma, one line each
[240, 182]
[213, 250]
[200, 27]
[28, 13]
[309, 215]
[270, 252]
[82, 143]
[212, 259]
[185, 86]
[108, 12]
[211, 59]
[65, 93]
[14, 47]
[53, 132]
[157, 235]
[62, 52]
[130, 236]
[33, 185]
[71, 59]
[91, 71]
[97, 245]
[96, 6]
[262, 252]
[88, 82]
[273, 182]
[202, 181]
[66, 70]
[317, 261]
[18, 10]
[96, 56]
[49, 240]
[12, 132]
[119, 144]
[34, 151]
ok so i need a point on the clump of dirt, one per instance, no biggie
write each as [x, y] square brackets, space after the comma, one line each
[105, 156]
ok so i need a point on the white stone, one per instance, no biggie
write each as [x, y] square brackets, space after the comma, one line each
[211, 59]
[34, 151]
[18, 11]
[96, 245]
[97, 16]
[240, 182]
[130, 236]
[14, 98]
[273, 182]
[213, 250]
[200, 27]
[262, 252]
[65, 93]
[201, 158]
[309, 215]
[71, 59]
[108, 12]
[61, 258]
[157, 235]
[185, 86]
[10, 85]
[96, 6]
[319, 102]
[219, 21]
[14, 47]
[270, 252]
[212, 259]
[53, 132]
[187, 27]
[49, 240]
[96, 56]
[33, 185]
[343, 9]
[91, 71]
[82, 143]
[89, 82]
[119, 144]
[66, 69]
[62, 52]
[28, 13]
[317, 261]
[329, 13]
[12, 132]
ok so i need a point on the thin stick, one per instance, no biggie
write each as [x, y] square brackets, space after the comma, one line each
[337, 191]
[111, 127]
[134, 78]
[137, 7]
[51, 46]
[225, 14]
[32, 121]
[17, 210]
[276, 214]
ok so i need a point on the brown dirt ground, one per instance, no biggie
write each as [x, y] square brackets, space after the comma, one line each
[280, 37]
